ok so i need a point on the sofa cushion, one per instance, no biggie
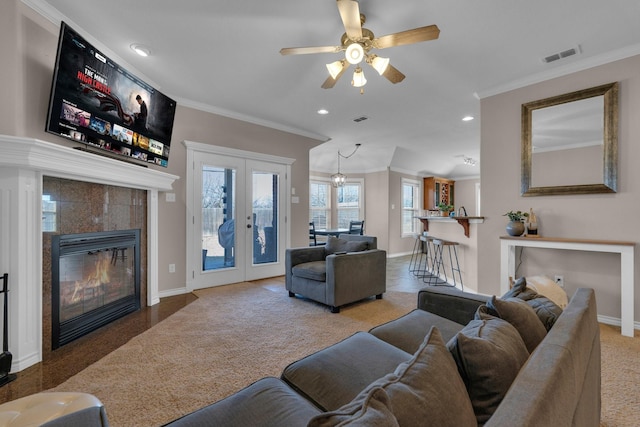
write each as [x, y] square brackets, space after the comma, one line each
[489, 354]
[373, 411]
[408, 332]
[314, 270]
[268, 402]
[335, 244]
[547, 310]
[520, 315]
[334, 376]
[427, 387]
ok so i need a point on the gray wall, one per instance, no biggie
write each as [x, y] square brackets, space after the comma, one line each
[599, 216]
[28, 47]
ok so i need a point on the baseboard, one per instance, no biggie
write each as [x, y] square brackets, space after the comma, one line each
[399, 254]
[173, 292]
[615, 321]
[18, 365]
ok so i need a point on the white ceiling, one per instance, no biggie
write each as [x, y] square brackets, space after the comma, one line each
[223, 56]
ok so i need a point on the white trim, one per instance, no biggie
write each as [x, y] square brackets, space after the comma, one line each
[23, 164]
[197, 147]
[173, 292]
[615, 321]
[234, 152]
[417, 208]
[250, 119]
[573, 67]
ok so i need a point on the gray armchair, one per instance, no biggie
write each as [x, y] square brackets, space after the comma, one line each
[348, 269]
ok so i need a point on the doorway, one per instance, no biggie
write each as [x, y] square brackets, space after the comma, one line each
[237, 229]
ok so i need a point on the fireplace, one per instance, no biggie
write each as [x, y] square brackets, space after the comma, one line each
[95, 279]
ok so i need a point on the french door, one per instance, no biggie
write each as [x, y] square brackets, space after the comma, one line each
[238, 218]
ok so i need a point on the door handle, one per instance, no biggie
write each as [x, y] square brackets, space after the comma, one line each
[248, 225]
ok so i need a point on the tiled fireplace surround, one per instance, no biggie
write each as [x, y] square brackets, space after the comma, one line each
[95, 194]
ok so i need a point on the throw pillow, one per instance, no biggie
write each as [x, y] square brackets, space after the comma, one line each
[520, 315]
[519, 290]
[374, 411]
[489, 354]
[547, 310]
[335, 244]
[543, 285]
[425, 388]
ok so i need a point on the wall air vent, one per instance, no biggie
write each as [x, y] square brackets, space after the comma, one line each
[360, 119]
[561, 55]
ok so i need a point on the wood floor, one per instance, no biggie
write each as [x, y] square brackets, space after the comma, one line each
[74, 357]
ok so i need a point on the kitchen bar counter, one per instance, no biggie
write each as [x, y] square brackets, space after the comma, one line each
[464, 221]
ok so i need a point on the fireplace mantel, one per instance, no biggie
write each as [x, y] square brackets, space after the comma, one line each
[23, 163]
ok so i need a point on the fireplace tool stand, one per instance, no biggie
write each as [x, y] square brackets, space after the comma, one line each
[6, 357]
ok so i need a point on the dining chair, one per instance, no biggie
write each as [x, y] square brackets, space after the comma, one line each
[356, 227]
[313, 241]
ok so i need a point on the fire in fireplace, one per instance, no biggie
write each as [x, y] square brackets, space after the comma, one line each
[95, 280]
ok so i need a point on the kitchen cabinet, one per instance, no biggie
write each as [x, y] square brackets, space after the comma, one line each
[436, 191]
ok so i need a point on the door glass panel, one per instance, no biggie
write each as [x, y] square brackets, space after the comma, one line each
[218, 218]
[265, 217]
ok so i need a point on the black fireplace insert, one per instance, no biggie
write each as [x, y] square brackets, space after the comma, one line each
[95, 280]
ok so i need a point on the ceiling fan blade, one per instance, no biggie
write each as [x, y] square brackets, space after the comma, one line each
[393, 75]
[350, 14]
[307, 50]
[331, 82]
[422, 34]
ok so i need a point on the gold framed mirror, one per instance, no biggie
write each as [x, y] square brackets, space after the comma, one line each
[570, 143]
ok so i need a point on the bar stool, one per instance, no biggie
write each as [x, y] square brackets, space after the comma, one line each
[438, 263]
[426, 255]
[417, 248]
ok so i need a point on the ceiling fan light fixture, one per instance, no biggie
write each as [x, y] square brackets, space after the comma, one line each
[354, 53]
[380, 64]
[335, 68]
[358, 78]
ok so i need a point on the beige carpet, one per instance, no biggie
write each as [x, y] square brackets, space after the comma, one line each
[620, 378]
[234, 335]
[230, 337]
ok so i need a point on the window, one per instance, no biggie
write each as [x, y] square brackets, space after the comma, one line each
[410, 206]
[320, 204]
[49, 214]
[349, 202]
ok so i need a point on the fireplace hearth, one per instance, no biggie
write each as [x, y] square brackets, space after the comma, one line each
[95, 280]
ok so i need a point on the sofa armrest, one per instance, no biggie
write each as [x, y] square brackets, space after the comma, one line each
[450, 303]
[355, 275]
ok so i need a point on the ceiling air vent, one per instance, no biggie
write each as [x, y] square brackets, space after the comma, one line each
[360, 119]
[561, 55]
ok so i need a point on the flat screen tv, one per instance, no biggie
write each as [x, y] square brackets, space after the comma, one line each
[98, 103]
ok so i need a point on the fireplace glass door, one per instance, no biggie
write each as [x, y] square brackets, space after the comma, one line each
[95, 280]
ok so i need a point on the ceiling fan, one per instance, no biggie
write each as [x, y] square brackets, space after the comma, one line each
[357, 42]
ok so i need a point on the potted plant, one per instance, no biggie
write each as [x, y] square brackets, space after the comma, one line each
[515, 227]
[445, 208]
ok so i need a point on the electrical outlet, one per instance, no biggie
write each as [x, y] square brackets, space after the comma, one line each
[559, 280]
[172, 268]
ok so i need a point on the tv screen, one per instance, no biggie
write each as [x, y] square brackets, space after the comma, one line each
[100, 104]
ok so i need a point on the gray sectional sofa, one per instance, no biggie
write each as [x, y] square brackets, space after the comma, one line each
[458, 359]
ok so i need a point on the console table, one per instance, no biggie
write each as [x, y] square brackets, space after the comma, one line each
[508, 246]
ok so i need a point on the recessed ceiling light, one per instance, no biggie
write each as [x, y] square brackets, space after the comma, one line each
[323, 111]
[467, 118]
[140, 49]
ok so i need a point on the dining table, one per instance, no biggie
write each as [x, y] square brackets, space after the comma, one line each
[332, 231]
